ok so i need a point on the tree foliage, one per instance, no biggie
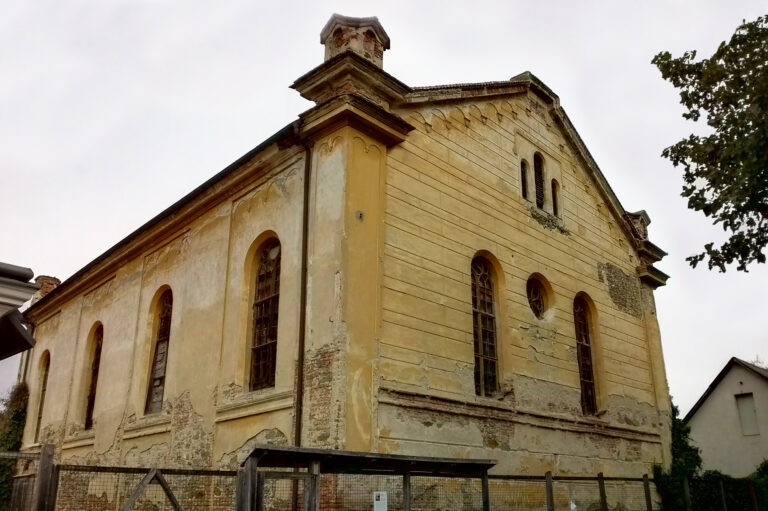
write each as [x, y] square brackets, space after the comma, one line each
[686, 463]
[12, 419]
[726, 172]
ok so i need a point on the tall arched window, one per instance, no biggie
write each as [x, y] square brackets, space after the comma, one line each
[45, 365]
[581, 319]
[96, 341]
[484, 317]
[162, 332]
[266, 299]
[555, 193]
[538, 177]
[524, 178]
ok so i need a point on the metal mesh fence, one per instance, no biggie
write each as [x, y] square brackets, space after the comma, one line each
[628, 495]
[576, 495]
[446, 494]
[518, 494]
[279, 494]
[355, 492]
[109, 488]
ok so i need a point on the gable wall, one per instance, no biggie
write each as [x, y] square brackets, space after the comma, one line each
[453, 190]
[716, 428]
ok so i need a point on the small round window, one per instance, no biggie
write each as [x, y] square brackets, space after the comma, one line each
[537, 296]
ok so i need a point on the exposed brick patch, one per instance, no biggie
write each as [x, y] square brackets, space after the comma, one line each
[623, 289]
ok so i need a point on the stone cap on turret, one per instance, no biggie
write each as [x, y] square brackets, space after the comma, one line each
[364, 36]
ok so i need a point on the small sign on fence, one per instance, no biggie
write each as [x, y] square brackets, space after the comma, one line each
[379, 501]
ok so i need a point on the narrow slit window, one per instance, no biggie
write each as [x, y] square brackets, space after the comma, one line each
[45, 366]
[524, 179]
[745, 403]
[98, 337]
[555, 193]
[581, 319]
[538, 176]
[265, 312]
[484, 318]
[160, 359]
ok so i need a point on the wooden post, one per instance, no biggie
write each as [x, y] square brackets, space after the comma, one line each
[247, 486]
[407, 491]
[241, 491]
[687, 494]
[752, 494]
[53, 488]
[647, 488]
[259, 505]
[40, 497]
[550, 492]
[311, 493]
[603, 498]
[722, 494]
[486, 493]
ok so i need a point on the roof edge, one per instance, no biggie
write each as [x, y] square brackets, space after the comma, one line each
[284, 132]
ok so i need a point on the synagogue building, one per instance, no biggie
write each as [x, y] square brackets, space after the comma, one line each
[434, 271]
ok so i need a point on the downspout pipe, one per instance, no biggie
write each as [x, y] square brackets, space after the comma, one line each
[303, 293]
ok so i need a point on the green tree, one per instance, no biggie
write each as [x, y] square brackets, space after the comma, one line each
[726, 172]
[686, 462]
[12, 419]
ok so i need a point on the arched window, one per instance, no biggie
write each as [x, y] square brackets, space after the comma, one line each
[156, 387]
[524, 178]
[96, 341]
[45, 365]
[555, 194]
[484, 317]
[581, 319]
[266, 299]
[537, 296]
[538, 177]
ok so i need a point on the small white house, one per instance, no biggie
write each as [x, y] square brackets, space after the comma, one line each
[729, 423]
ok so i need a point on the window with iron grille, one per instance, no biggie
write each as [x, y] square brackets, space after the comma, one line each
[160, 359]
[484, 317]
[524, 178]
[266, 300]
[45, 364]
[538, 177]
[537, 296]
[581, 317]
[98, 337]
[555, 193]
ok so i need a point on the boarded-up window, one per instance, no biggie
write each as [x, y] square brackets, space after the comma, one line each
[160, 358]
[524, 178]
[581, 317]
[747, 414]
[98, 337]
[555, 198]
[484, 317]
[538, 176]
[266, 300]
[45, 365]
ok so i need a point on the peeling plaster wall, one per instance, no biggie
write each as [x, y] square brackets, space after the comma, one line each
[453, 190]
[209, 418]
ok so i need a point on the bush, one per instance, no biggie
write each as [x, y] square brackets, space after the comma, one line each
[12, 419]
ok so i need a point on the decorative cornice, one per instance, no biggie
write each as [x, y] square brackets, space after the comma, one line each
[352, 110]
[652, 276]
[349, 73]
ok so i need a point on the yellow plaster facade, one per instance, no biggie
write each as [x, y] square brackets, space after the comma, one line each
[381, 196]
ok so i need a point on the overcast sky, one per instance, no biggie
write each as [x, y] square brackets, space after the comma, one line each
[112, 110]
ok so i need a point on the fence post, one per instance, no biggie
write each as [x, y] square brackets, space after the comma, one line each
[647, 488]
[550, 492]
[53, 488]
[407, 491]
[722, 494]
[313, 491]
[603, 498]
[40, 497]
[486, 492]
[247, 486]
[241, 491]
[751, 485]
[687, 494]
